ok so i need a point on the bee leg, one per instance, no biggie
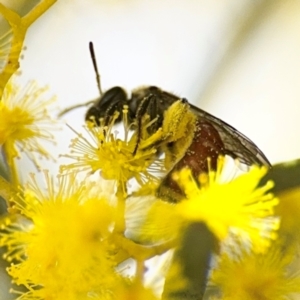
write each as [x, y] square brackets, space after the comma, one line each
[149, 105]
[116, 106]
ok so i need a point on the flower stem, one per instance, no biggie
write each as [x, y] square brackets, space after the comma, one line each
[19, 26]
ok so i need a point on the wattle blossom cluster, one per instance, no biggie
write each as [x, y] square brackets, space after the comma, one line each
[91, 237]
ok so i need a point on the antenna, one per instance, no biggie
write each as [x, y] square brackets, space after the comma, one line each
[93, 56]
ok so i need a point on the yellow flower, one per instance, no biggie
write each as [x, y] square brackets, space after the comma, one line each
[60, 244]
[135, 291]
[289, 211]
[256, 276]
[114, 156]
[24, 121]
[238, 207]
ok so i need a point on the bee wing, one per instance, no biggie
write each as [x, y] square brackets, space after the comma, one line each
[236, 144]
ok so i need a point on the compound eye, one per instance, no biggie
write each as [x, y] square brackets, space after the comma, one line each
[113, 95]
[93, 115]
[184, 101]
[111, 101]
[153, 88]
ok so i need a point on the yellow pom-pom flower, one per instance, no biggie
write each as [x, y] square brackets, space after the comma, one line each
[239, 207]
[25, 122]
[60, 245]
[253, 276]
[115, 157]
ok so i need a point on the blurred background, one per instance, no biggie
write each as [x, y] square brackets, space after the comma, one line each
[237, 59]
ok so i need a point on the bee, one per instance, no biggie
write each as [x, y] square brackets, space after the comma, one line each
[210, 138]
